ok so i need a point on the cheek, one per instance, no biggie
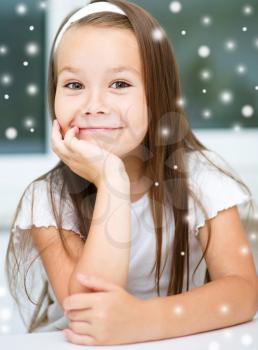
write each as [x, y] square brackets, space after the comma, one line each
[137, 123]
[62, 113]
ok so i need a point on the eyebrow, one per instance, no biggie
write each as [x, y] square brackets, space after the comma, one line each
[112, 70]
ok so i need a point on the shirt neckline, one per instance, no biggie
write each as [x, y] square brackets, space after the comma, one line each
[140, 200]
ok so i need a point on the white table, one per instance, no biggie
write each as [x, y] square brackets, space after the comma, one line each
[242, 336]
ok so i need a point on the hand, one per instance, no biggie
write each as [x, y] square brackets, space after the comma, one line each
[84, 158]
[108, 315]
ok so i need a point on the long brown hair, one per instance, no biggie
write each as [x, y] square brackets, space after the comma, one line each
[162, 88]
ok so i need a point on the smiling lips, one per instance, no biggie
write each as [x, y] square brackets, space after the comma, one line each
[99, 129]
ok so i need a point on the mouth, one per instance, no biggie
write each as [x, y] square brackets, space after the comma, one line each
[94, 130]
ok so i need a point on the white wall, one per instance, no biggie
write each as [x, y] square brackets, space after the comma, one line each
[238, 148]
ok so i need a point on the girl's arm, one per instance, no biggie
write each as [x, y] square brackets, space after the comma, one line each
[107, 248]
[102, 253]
[222, 303]
[230, 298]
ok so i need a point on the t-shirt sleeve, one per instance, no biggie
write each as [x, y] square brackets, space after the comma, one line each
[36, 209]
[215, 190]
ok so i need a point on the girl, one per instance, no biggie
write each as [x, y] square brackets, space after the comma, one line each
[134, 191]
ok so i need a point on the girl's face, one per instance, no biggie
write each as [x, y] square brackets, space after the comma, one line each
[92, 90]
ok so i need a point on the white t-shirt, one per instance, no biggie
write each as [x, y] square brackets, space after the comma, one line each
[216, 191]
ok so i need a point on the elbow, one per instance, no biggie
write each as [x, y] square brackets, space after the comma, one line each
[255, 303]
[254, 307]
[252, 296]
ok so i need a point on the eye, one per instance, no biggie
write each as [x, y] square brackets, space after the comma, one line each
[75, 82]
[123, 82]
[78, 84]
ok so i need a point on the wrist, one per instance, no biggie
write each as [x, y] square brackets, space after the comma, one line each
[115, 177]
[116, 182]
[155, 319]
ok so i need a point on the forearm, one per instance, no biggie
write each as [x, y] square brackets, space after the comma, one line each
[217, 304]
[107, 248]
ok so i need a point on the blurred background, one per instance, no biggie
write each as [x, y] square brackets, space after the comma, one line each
[216, 47]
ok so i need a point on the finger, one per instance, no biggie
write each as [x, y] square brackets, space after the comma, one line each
[95, 282]
[57, 141]
[78, 338]
[79, 315]
[94, 151]
[69, 137]
[81, 327]
[80, 301]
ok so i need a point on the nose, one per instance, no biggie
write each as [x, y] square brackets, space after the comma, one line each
[95, 104]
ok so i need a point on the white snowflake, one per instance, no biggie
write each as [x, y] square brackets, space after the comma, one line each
[247, 111]
[205, 74]
[256, 43]
[175, 6]
[32, 49]
[165, 131]
[247, 10]
[237, 127]
[246, 339]
[178, 310]
[29, 122]
[158, 34]
[224, 309]
[181, 102]
[204, 51]
[206, 20]
[253, 236]
[21, 9]
[3, 291]
[4, 329]
[42, 5]
[206, 113]
[244, 250]
[5, 314]
[6, 79]
[230, 45]
[32, 89]
[241, 69]
[11, 133]
[3, 50]
[226, 96]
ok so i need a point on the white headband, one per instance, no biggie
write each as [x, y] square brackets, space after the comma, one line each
[85, 11]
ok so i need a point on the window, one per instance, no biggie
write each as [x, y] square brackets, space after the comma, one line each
[22, 77]
[217, 53]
